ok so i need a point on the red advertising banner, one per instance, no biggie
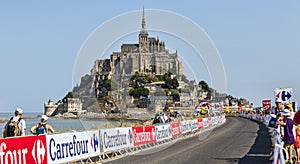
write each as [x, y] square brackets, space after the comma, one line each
[143, 135]
[267, 104]
[175, 129]
[200, 123]
[23, 150]
[209, 121]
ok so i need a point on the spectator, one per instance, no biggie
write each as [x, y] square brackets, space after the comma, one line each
[16, 126]
[166, 117]
[156, 119]
[297, 143]
[163, 118]
[182, 118]
[290, 108]
[288, 137]
[42, 127]
[297, 118]
[279, 107]
[278, 135]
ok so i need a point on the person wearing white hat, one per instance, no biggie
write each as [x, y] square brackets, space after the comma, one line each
[16, 126]
[279, 106]
[42, 127]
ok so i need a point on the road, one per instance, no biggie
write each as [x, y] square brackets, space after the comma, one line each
[239, 140]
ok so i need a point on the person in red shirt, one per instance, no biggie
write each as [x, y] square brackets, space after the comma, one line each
[297, 143]
[296, 119]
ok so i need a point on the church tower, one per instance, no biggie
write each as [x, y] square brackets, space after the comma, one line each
[143, 36]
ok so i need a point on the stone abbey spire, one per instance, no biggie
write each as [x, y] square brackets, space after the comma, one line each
[143, 30]
[143, 36]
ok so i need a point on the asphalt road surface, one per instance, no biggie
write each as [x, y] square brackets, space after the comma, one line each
[239, 140]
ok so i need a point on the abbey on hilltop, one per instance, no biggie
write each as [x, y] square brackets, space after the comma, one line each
[149, 56]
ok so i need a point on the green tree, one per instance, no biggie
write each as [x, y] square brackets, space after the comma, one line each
[204, 86]
[175, 83]
[137, 92]
[175, 95]
[168, 82]
[184, 78]
[160, 77]
[110, 85]
[69, 95]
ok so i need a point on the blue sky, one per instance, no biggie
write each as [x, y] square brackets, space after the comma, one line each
[258, 42]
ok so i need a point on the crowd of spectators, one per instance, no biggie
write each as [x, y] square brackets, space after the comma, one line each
[288, 129]
[166, 117]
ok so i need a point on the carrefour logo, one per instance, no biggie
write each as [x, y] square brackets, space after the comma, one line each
[94, 142]
[68, 149]
[38, 151]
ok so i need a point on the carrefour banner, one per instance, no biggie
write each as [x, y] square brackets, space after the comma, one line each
[194, 125]
[72, 146]
[143, 135]
[185, 126]
[116, 138]
[163, 132]
[22, 150]
[175, 129]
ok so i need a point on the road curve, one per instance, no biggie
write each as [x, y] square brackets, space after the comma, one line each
[239, 140]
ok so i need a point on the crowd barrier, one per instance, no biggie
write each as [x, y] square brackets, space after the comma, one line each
[258, 117]
[78, 146]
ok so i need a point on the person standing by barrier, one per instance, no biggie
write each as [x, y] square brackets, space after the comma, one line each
[42, 127]
[156, 119]
[290, 108]
[162, 118]
[288, 137]
[16, 126]
[279, 107]
[297, 118]
[297, 143]
[277, 155]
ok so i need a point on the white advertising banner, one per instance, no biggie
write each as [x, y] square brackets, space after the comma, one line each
[185, 126]
[285, 94]
[72, 146]
[194, 125]
[215, 120]
[205, 122]
[163, 132]
[116, 138]
[223, 118]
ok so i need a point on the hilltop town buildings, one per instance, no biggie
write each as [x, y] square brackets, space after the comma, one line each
[69, 105]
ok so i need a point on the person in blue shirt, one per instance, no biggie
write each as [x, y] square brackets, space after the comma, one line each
[42, 127]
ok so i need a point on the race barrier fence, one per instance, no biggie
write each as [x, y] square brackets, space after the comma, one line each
[102, 143]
